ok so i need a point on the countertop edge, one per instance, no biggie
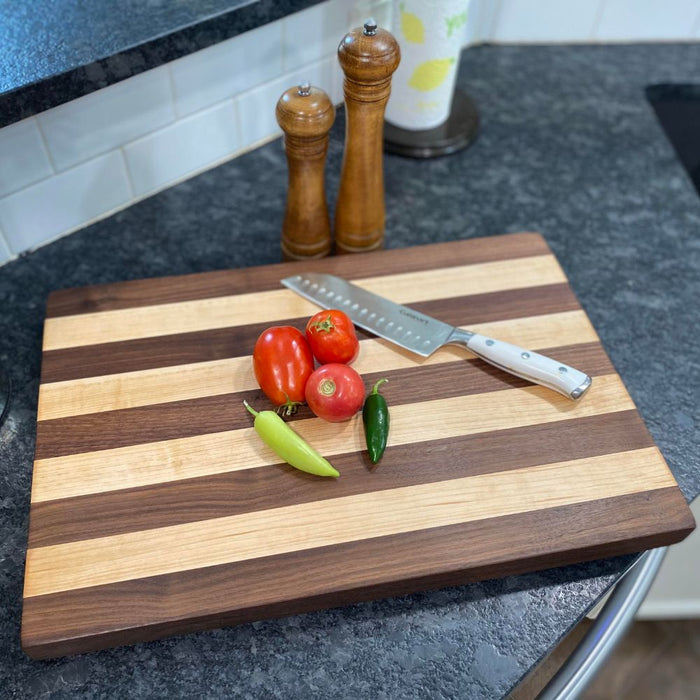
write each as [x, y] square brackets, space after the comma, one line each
[30, 99]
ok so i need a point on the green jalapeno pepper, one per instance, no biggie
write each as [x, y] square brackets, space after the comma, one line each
[288, 445]
[375, 415]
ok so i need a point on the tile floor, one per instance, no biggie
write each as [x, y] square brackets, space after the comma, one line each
[656, 660]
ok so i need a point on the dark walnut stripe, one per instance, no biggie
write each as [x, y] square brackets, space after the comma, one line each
[163, 290]
[213, 414]
[150, 608]
[220, 495]
[221, 343]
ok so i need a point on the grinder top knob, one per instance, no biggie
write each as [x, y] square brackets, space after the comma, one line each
[369, 54]
[305, 111]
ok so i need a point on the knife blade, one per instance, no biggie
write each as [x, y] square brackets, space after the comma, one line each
[423, 335]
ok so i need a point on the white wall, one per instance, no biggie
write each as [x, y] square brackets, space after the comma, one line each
[675, 593]
[81, 161]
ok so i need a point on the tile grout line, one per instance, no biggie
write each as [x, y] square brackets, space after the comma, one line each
[596, 22]
[492, 19]
[237, 122]
[283, 45]
[171, 83]
[11, 254]
[127, 172]
[45, 144]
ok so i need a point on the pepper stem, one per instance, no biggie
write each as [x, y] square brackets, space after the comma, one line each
[375, 388]
[250, 408]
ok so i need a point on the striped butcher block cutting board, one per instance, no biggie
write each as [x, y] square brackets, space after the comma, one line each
[157, 510]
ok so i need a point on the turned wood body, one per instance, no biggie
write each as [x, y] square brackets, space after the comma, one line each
[305, 114]
[368, 57]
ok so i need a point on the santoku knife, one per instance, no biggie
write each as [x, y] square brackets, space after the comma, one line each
[423, 335]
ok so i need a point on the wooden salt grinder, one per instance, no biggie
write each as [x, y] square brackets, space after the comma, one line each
[306, 114]
[368, 57]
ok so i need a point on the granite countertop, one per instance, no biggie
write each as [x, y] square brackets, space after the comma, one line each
[569, 147]
[52, 52]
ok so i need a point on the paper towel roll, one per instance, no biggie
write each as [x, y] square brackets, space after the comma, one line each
[430, 33]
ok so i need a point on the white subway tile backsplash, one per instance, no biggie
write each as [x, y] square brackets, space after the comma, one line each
[99, 122]
[23, 158]
[546, 20]
[63, 202]
[256, 109]
[227, 69]
[314, 34]
[634, 20]
[182, 148]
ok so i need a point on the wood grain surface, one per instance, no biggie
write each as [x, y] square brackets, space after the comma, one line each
[305, 114]
[368, 61]
[157, 510]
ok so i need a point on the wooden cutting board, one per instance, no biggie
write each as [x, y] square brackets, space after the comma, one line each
[157, 510]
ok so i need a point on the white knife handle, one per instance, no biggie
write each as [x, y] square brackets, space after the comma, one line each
[524, 363]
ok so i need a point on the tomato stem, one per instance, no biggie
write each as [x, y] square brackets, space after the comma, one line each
[324, 326]
[289, 407]
[327, 387]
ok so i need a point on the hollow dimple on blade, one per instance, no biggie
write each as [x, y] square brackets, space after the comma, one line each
[400, 324]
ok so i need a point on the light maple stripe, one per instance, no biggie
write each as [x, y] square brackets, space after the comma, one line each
[180, 382]
[215, 453]
[307, 526]
[271, 306]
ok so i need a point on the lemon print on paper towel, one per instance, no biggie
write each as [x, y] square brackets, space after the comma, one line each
[431, 74]
[412, 26]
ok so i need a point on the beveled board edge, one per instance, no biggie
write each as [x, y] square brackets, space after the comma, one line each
[630, 517]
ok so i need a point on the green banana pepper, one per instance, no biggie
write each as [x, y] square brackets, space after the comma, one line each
[288, 445]
[375, 415]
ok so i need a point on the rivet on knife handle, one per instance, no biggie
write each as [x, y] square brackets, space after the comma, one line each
[524, 363]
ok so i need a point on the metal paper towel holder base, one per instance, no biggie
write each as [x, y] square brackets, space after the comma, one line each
[456, 133]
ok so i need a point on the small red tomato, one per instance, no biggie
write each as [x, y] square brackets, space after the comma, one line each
[283, 362]
[335, 392]
[332, 338]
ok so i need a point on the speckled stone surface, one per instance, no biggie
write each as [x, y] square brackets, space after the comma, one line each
[568, 147]
[53, 51]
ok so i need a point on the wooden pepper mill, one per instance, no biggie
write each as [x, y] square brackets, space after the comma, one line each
[368, 57]
[306, 114]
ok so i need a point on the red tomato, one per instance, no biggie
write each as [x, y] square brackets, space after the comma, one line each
[332, 338]
[283, 362]
[335, 392]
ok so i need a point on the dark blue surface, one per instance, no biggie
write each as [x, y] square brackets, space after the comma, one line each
[678, 110]
[569, 147]
[53, 51]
